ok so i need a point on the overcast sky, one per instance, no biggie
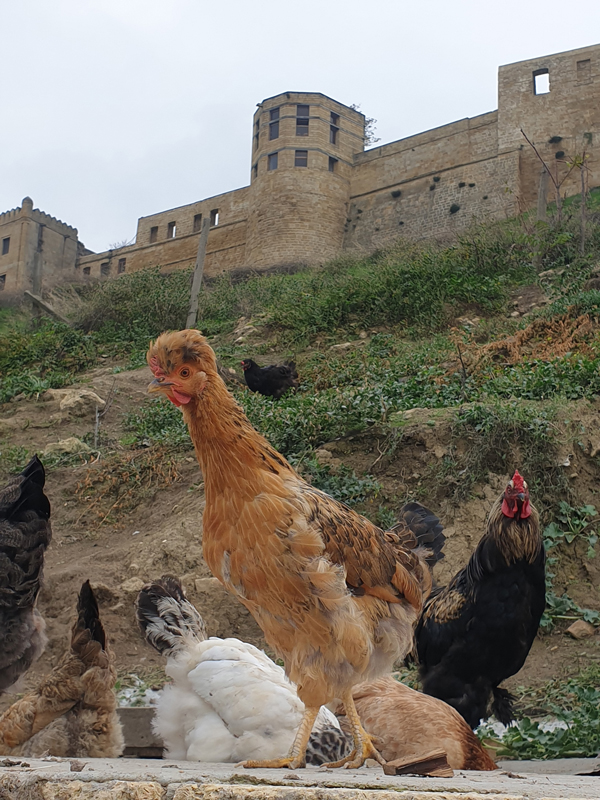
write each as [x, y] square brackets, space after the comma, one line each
[114, 109]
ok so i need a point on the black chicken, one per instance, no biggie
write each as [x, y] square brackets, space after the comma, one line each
[272, 381]
[477, 631]
[25, 533]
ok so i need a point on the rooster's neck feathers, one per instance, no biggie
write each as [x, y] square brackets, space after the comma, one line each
[516, 539]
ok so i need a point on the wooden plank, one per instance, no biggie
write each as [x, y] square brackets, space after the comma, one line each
[433, 764]
[192, 316]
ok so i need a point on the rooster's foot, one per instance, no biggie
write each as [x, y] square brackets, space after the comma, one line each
[356, 759]
[288, 762]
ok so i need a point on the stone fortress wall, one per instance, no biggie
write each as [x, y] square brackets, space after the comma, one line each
[315, 193]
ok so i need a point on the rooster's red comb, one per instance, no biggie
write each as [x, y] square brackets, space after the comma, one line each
[517, 480]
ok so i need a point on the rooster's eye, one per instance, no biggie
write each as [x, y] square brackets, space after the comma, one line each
[185, 373]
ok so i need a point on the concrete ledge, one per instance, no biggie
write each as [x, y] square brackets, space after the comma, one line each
[138, 779]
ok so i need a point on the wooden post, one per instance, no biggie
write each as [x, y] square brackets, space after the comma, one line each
[198, 272]
[542, 200]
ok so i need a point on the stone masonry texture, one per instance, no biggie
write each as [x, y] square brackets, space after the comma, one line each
[315, 192]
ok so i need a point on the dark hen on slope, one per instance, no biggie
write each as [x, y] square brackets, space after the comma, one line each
[272, 381]
[477, 631]
[25, 533]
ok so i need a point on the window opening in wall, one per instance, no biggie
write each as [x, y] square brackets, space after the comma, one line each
[154, 234]
[86, 270]
[105, 269]
[584, 71]
[255, 171]
[301, 158]
[272, 161]
[332, 164]
[334, 128]
[197, 222]
[214, 217]
[171, 230]
[302, 114]
[121, 265]
[2, 282]
[274, 124]
[541, 81]
[256, 133]
[5, 245]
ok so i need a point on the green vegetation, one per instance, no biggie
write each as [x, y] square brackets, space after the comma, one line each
[574, 703]
[572, 525]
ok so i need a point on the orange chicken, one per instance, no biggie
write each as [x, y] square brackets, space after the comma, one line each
[407, 724]
[336, 597]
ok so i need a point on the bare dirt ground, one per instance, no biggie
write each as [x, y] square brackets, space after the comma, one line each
[120, 551]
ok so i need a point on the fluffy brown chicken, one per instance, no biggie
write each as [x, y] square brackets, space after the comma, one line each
[73, 710]
[25, 533]
[336, 598]
[407, 724]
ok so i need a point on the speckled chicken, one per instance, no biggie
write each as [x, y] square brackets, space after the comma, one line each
[228, 700]
[73, 710]
[407, 725]
[25, 533]
[335, 596]
[477, 630]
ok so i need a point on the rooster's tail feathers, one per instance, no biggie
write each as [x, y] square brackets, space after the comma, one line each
[167, 619]
[426, 528]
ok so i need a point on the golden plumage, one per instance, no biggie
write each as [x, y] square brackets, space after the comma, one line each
[336, 598]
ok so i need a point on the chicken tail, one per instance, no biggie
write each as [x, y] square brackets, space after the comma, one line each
[88, 638]
[502, 705]
[167, 619]
[426, 529]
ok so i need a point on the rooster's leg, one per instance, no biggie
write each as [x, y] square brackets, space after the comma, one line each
[297, 755]
[363, 746]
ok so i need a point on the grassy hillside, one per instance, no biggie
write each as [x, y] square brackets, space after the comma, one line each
[429, 371]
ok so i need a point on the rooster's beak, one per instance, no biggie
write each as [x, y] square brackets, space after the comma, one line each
[158, 386]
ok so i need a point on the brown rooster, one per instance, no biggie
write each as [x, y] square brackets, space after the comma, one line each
[336, 598]
[73, 710]
[408, 725]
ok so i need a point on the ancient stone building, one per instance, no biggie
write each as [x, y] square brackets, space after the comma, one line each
[315, 192]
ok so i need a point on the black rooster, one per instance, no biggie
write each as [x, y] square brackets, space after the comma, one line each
[25, 533]
[272, 381]
[477, 631]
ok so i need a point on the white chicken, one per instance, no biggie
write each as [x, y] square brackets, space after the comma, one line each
[228, 700]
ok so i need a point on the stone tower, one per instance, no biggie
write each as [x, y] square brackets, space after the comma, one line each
[303, 146]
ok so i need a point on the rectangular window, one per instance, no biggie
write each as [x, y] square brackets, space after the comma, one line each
[86, 270]
[272, 161]
[121, 265]
[333, 134]
[273, 130]
[302, 114]
[332, 164]
[256, 140]
[256, 133]
[153, 234]
[541, 81]
[171, 230]
[301, 159]
[197, 222]
[255, 172]
[5, 245]
[105, 269]
[2, 282]
[335, 119]
[214, 217]
[274, 114]
[584, 71]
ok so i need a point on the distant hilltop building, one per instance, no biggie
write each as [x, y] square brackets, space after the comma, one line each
[315, 192]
